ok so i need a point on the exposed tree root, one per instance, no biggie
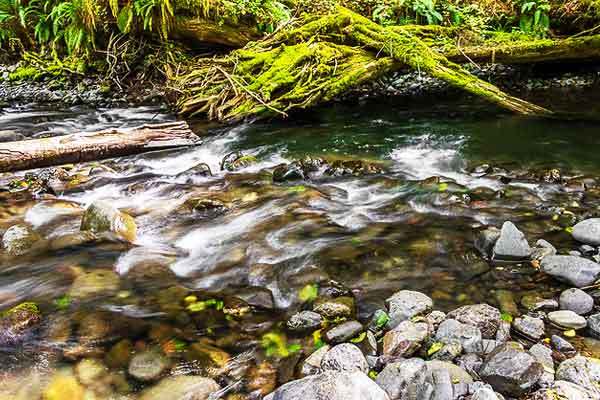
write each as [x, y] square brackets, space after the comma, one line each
[317, 60]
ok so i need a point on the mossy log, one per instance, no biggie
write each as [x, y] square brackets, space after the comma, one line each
[202, 32]
[37, 153]
[317, 60]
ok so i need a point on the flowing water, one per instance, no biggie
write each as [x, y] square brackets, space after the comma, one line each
[445, 176]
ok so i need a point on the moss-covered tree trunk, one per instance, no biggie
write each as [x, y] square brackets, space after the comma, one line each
[316, 60]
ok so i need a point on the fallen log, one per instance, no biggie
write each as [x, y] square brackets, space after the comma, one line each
[81, 147]
[203, 32]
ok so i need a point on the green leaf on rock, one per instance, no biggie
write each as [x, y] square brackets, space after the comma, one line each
[506, 317]
[437, 346]
[382, 320]
[359, 338]
[308, 293]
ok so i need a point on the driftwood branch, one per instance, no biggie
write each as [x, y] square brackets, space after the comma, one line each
[81, 147]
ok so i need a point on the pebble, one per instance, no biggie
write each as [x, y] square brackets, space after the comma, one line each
[588, 231]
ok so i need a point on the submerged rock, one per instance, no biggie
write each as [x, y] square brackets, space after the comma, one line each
[511, 370]
[64, 386]
[511, 245]
[102, 217]
[95, 283]
[181, 387]
[406, 304]
[576, 271]
[486, 240]
[588, 231]
[330, 385]
[576, 300]
[148, 366]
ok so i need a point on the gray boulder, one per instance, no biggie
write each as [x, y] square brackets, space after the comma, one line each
[405, 339]
[594, 325]
[483, 316]
[344, 357]
[511, 245]
[581, 371]
[576, 300]
[511, 370]
[400, 378]
[588, 231]
[576, 271]
[567, 319]
[563, 390]
[452, 331]
[330, 385]
[343, 332]
[532, 328]
[406, 304]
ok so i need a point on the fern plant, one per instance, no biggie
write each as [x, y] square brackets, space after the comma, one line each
[535, 17]
[14, 21]
[74, 22]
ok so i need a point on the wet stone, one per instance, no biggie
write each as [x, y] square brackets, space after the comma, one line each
[102, 217]
[561, 344]
[594, 325]
[564, 390]
[95, 283]
[511, 245]
[181, 387]
[399, 379]
[567, 319]
[511, 370]
[575, 271]
[581, 371]
[304, 321]
[532, 328]
[588, 231]
[148, 366]
[312, 364]
[535, 303]
[483, 316]
[330, 385]
[405, 339]
[344, 357]
[486, 240]
[452, 331]
[576, 300]
[343, 332]
[16, 322]
[339, 307]
[406, 304]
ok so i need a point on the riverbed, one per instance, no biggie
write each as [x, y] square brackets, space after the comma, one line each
[397, 201]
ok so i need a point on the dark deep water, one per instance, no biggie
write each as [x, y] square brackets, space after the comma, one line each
[412, 226]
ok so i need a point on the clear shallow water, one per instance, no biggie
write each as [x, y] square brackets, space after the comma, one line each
[411, 226]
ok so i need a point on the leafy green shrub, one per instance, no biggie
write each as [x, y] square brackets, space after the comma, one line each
[534, 18]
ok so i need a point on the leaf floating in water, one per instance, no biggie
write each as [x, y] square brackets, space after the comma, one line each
[63, 302]
[442, 187]
[275, 345]
[297, 189]
[569, 229]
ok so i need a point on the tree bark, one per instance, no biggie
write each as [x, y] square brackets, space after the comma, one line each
[75, 148]
[201, 32]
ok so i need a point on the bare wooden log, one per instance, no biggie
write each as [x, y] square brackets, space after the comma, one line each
[81, 147]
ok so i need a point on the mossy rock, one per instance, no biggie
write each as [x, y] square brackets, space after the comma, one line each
[102, 217]
[16, 321]
[19, 240]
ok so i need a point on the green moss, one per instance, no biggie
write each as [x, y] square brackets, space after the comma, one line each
[25, 73]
